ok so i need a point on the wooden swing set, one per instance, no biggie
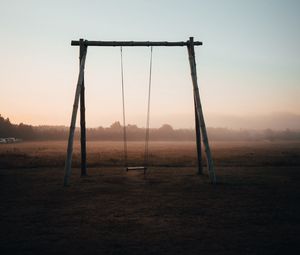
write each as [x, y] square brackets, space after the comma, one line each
[200, 127]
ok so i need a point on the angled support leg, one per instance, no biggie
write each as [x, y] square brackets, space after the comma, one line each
[199, 112]
[68, 163]
[198, 139]
[83, 49]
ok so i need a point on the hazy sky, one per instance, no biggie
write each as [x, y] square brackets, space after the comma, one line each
[249, 63]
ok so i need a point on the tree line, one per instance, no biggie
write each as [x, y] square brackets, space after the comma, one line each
[135, 133]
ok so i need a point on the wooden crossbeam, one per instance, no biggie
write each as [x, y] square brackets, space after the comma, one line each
[133, 43]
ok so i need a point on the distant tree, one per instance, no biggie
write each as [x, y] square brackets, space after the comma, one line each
[6, 128]
[166, 128]
[116, 125]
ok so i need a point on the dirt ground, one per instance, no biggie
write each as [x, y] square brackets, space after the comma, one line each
[254, 208]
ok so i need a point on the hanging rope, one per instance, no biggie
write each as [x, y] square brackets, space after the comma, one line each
[123, 103]
[146, 155]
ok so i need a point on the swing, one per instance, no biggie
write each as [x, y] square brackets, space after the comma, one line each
[146, 151]
[79, 95]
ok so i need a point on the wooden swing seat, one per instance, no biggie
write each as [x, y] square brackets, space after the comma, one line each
[136, 168]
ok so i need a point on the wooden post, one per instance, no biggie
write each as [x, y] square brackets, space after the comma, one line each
[198, 140]
[68, 163]
[198, 109]
[83, 49]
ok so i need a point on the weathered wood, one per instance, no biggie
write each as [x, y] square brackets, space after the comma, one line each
[144, 168]
[135, 168]
[68, 163]
[200, 116]
[198, 139]
[133, 43]
[82, 117]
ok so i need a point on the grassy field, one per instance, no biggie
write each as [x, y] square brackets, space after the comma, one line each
[168, 154]
[254, 208]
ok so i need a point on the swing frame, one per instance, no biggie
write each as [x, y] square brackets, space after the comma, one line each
[200, 127]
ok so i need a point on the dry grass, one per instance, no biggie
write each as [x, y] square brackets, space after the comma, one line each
[172, 154]
[254, 209]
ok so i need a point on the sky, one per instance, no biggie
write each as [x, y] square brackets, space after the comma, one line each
[248, 66]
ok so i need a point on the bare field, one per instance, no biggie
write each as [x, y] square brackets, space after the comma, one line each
[254, 208]
[168, 154]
